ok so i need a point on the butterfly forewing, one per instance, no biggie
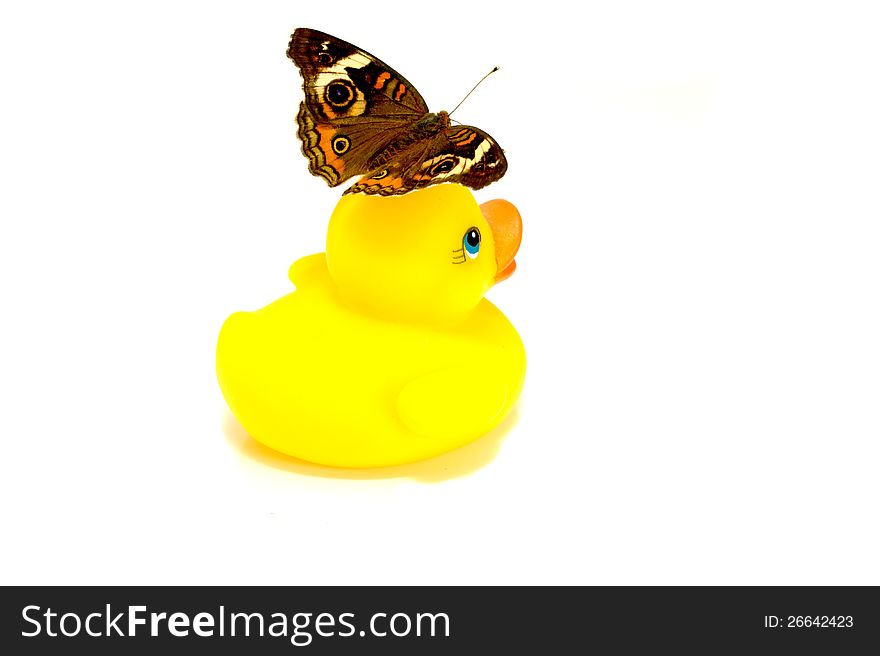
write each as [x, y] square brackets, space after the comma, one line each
[480, 159]
[322, 58]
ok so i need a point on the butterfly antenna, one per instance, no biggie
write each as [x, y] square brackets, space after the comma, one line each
[472, 90]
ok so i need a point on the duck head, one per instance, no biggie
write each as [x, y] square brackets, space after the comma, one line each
[428, 256]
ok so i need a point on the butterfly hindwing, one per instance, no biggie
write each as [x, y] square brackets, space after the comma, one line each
[461, 154]
[338, 150]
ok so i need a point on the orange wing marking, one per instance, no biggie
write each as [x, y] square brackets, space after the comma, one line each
[382, 79]
[331, 159]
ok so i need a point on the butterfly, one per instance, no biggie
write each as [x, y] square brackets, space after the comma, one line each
[362, 118]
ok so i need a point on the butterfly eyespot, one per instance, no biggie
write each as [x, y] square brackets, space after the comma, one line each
[471, 242]
[380, 175]
[339, 94]
[443, 167]
[325, 58]
[341, 144]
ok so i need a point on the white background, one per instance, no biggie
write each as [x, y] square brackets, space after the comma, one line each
[697, 291]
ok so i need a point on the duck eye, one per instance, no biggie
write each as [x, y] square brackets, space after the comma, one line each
[471, 242]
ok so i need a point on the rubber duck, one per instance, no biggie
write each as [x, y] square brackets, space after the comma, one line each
[386, 352]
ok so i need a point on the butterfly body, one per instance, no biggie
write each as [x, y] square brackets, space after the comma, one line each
[362, 118]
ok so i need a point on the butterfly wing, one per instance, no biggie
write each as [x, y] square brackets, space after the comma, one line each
[354, 106]
[461, 154]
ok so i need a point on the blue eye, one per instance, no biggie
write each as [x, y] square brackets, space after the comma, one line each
[471, 242]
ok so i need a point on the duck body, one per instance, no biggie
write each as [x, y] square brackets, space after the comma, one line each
[325, 375]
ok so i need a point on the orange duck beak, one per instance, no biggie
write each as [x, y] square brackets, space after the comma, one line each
[504, 220]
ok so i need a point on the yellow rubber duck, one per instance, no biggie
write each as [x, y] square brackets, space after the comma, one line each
[387, 352]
